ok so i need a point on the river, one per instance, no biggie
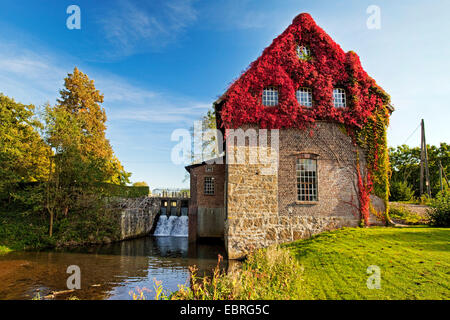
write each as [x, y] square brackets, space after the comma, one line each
[108, 271]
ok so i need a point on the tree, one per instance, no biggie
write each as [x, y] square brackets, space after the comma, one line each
[24, 156]
[140, 184]
[405, 163]
[80, 98]
[82, 156]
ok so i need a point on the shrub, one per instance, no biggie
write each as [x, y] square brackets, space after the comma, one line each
[439, 214]
[267, 274]
[400, 191]
[405, 215]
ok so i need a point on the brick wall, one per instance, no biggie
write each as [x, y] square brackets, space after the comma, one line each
[206, 212]
[262, 209]
[197, 176]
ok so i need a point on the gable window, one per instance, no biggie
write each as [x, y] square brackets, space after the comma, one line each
[339, 98]
[306, 173]
[303, 52]
[209, 186]
[209, 169]
[270, 97]
[304, 97]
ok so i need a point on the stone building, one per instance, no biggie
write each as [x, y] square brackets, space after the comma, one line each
[290, 167]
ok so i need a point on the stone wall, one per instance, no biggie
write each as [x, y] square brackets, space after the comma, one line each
[262, 206]
[138, 216]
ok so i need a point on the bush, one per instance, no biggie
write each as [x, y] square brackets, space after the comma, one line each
[400, 191]
[439, 214]
[267, 274]
[404, 215]
[115, 190]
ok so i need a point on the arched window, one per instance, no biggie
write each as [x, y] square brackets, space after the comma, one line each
[339, 98]
[270, 97]
[303, 52]
[304, 97]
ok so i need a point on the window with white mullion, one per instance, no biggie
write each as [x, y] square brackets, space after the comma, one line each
[304, 97]
[339, 98]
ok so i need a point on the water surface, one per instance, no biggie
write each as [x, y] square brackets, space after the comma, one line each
[107, 272]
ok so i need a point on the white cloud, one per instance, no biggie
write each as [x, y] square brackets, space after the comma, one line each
[132, 26]
[36, 77]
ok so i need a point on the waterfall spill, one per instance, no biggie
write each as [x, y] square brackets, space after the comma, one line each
[173, 226]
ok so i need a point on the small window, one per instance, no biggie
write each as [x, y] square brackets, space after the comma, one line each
[306, 172]
[209, 186]
[303, 52]
[339, 98]
[209, 169]
[270, 97]
[304, 97]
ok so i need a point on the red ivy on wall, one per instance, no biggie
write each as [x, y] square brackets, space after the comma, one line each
[327, 68]
[280, 67]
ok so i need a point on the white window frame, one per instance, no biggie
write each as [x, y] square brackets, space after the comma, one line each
[339, 98]
[304, 97]
[270, 97]
[208, 186]
[306, 173]
[303, 52]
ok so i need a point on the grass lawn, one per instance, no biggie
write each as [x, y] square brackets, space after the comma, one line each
[414, 263]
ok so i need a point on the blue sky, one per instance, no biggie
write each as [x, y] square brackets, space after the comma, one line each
[161, 64]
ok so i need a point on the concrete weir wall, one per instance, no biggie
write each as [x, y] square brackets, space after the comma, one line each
[138, 216]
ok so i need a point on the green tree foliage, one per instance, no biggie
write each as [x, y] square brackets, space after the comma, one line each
[401, 191]
[405, 162]
[23, 153]
[83, 158]
[439, 214]
[140, 184]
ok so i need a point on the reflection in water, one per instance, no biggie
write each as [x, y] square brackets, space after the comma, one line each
[107, 272]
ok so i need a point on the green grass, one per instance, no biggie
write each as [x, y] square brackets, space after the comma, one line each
[414, 263]
[4, 250]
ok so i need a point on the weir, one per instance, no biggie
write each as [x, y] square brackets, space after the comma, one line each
[160, 216]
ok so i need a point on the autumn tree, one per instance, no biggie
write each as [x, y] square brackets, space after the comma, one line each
[83, 157]
[81, 99]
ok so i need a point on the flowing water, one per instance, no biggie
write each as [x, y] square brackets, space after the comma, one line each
[172, 226]
[112, 271]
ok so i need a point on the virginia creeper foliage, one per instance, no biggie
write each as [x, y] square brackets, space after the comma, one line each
[327, 67]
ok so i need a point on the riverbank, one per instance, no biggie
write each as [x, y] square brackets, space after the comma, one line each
[4, 250]
[21, 230]
[414, 263]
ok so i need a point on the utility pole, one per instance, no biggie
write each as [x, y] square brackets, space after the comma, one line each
[440, 177]
[424, 160]
[442, 172]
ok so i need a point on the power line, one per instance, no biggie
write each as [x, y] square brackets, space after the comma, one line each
[412, 133]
